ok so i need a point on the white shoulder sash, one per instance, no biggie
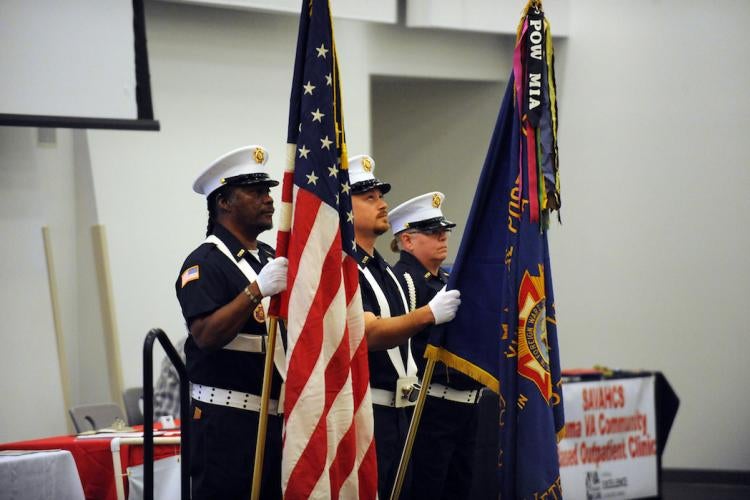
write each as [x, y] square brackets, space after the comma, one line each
[279, 357]
[385, 311]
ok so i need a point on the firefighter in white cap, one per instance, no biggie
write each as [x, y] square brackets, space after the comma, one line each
[443, 453]
[220, 288]
[389, 324]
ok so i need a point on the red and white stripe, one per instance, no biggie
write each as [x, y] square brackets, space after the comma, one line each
[329, 450]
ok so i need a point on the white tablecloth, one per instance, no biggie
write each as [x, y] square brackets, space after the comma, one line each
[166, 480]
[39, 475]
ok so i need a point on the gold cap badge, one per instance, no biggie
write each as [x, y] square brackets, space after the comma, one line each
[366, 164]
[259, 155]
[436, 200]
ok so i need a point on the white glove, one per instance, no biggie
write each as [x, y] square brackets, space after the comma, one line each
[444, 305]
[272, 278]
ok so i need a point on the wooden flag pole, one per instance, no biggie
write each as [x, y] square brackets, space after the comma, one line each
[260, 442]
[273, 323]
[411, 435]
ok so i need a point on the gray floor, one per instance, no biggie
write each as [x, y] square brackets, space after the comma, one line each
[703, 491]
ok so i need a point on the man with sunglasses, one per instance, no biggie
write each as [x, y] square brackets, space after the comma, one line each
[443, 452]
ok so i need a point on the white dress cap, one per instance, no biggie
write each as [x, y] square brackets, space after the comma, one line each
[243, 166]
[421, 213]
[362, 175]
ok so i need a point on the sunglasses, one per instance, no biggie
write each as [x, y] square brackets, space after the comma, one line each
[432, 232]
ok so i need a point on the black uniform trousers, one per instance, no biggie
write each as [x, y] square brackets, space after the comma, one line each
[223, 453]
[391, 427]
[444, 450]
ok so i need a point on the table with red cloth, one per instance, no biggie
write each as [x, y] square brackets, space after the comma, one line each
[93, 458]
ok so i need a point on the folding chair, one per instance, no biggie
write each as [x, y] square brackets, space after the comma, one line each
[133, 399]
[95, 416]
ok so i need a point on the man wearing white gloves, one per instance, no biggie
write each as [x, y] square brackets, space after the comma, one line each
[221, 288]
[443, 455]
[389, 324]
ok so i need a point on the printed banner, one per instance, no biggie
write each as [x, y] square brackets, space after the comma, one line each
[609, 450]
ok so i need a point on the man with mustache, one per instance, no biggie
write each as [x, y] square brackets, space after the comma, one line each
[220, 288]
[388, 323]
[443, 452]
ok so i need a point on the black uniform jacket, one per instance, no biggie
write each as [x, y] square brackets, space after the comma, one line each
[382, 373]
[426, 286]
[208, 280]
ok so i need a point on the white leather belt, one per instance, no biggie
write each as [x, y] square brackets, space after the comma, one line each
[443, 392]
[382, 397]
[235, 399]
[388, 398]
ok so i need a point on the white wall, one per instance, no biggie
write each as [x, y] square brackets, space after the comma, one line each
[648, 266]
[46, 184]
[91, 381]
[381, 11]
[35, 189]
[488, 16]
[439, 128]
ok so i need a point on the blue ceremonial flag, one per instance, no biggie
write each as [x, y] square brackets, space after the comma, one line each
[504, 334]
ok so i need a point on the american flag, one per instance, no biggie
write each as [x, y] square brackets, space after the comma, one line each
[329, 450]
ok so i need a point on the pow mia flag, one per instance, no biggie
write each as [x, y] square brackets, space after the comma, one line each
[534, 73]
[535, 56]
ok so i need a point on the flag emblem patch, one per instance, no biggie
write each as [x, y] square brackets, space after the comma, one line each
[190, 274]
[533, 344]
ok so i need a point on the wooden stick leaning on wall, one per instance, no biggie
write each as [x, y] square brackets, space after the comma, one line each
[109, 323]
[59, 337]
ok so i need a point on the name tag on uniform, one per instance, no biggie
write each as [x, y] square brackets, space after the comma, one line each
[407, 391]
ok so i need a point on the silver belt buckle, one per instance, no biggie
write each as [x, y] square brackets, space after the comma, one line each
[407, 391]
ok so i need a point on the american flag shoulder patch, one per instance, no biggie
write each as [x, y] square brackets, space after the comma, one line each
[190, 274]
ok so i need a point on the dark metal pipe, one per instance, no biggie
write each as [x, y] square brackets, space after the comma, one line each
[148, 413]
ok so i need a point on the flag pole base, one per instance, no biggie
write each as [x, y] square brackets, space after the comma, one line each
[411, 435]
[260, 442]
